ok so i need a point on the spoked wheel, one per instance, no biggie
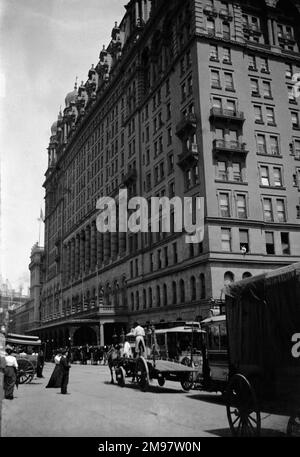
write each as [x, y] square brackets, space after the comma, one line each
[120, 375]
[25, 371]
[142, 374]
[242, 407]
[187, 379]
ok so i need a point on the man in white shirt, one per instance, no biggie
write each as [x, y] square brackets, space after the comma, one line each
[10, 373]
[139, 334]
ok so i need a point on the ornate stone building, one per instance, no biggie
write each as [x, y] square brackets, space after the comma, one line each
[190, 98]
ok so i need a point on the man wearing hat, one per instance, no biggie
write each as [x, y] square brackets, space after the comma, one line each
[10, 373]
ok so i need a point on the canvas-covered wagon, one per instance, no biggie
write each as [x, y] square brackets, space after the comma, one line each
[26, 348]
[263, 327]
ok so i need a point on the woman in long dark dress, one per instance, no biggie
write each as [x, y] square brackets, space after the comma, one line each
[10, 374]
[57, 374]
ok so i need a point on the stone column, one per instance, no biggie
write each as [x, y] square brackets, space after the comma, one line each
[106, 246]
[77, 256]
[93, 246]
[275, 31]
[87, 249]
[99, 248]
[81, 257]
[101, 325]
[72, 269]
[122, 243]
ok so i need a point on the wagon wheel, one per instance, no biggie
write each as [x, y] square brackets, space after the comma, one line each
[142, 374]
[25, 371]
[120, 375]
[242, 407]
[187, 379]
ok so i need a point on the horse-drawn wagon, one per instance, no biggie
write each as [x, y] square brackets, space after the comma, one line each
[253, 352]
[26, 350]
[169, 356]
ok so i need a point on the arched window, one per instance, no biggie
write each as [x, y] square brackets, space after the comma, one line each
[247, 274]
[202, 286]
[193, 288]
[137, 300]
[228, 277]
[132, 301]
[144, 299]
[174, 293]
[165, 294]
[157, 296]
[182, 291]
[150, 297]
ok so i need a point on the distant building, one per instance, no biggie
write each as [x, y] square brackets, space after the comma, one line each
[10, 300]
[27, 316]
[190, 98]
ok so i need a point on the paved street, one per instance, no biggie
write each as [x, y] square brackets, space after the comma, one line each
[96, 408]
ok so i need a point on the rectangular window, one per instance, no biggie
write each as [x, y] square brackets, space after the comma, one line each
[267, 89]
[254, 86]
[231, 107]
[213, 52]
[252, 62]
[222, 171]
[268, 214]
[183, 92]
[261, 144]
[226, 239]
[264, 176]
[241, 206]
[277, 177]
[295, 119]
[237, 171]
[244, 240]
[285, 243]
[170, 163]
[264, 65]
[175, 256]
[270, 116]
[229, 81]
[224, 205]
[215, 79]
[270, 247]
[210, 27]
[274, 143]
[258, 114]
[280, 208]
[226, 31]
[297, 148]
[226, 55]
[288, 70]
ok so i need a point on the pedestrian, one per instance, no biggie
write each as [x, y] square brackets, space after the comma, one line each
[139, 334]
[65, 366]
[40, 363]
[57, 374]
[10, 373]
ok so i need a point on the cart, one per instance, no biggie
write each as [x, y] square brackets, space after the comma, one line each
[263, 328]
[162, 361]
[28, 347]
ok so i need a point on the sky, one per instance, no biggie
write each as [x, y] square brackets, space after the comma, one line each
[44, 45]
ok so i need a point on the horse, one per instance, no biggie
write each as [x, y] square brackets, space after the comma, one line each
[113, 354]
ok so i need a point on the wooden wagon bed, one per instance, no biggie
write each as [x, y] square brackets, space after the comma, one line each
[167, 366]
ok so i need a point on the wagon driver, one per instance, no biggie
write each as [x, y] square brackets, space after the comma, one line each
[139, 334]
[10, 373]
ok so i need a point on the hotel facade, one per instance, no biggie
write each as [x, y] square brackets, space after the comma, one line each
[190, 98]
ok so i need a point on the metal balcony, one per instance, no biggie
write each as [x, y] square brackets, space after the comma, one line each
[189, 157]
[231, 147]
[226, 114]
[186, 126]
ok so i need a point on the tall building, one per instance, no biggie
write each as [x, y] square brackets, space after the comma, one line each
[27, 316]
[190, 98]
